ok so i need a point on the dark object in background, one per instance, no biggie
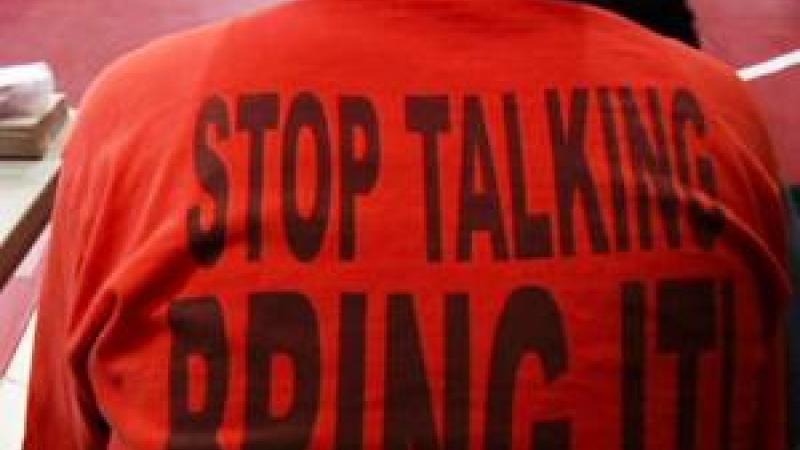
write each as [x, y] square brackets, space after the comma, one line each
[671, 18]
[793, 319]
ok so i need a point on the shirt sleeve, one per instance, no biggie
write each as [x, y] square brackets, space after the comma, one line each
[62, 413]
[773, 426]
[90, 235]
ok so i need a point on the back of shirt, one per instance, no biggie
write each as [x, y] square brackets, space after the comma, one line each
[420, 224]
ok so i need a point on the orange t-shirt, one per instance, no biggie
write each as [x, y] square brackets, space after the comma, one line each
[414, 225]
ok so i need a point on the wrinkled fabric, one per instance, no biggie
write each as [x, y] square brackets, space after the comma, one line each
[418, 224]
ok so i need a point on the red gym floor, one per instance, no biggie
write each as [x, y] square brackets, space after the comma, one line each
[79, 37]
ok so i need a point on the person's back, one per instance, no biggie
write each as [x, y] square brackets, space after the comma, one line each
[423, 224]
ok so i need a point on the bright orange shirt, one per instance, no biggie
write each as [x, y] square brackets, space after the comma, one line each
[424, 224]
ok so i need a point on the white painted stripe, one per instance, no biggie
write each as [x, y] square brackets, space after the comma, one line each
[19, 370]
[771, 66]
[34, 257]
[14, 393]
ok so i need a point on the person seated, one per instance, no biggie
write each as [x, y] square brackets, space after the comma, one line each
[419, 224]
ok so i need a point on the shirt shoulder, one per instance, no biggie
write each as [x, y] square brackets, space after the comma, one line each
[725, 97]
[160, 70]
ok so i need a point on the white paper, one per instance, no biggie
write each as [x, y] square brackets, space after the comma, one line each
[25, 90]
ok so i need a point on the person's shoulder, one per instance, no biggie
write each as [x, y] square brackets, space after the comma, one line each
[726, 99]
[616, 31]
[674, 62]
[168, 69]
[139, 92]
[167, 65]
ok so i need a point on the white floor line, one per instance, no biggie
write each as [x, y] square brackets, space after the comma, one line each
[14, 392]
[771, 66]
